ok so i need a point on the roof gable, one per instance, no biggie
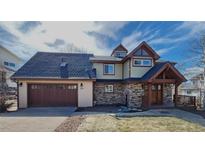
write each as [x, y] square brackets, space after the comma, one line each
[120, 47]
[155, 71]
[145, 48]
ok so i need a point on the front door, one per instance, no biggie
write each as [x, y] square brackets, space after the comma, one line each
[156, 94]
[156, 98]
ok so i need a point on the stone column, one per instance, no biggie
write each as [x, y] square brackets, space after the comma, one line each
[149, 95]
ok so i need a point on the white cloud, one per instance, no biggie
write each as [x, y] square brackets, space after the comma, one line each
[136, 37]
[163, 51]
[192, 71]
[110, 28]
[132, 40]
[71, 32]
[194, 27]
[168, 40]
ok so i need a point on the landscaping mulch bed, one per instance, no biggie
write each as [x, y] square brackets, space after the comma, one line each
[70, 124]
[201, 113]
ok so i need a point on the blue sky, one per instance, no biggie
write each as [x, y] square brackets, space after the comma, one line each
[171, 40]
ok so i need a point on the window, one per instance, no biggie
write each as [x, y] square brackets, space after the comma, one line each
[147, 62]
[142, 62]
[138, 62]
[12, 64]
[188, 91]
[109, 88]
[109, 69]
[9, 64]
[120, 54]
[141, 52]
[6, 63]
[144, 53]
[72, 87]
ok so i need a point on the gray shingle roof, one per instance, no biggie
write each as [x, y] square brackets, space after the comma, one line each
[153, 70]
[48, 65]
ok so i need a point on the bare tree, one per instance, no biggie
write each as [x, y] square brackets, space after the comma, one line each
[3, 92]
[198, 49]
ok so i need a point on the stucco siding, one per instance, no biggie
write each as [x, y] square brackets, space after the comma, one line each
[85, 94]
[137, 72]
[7, 56]
[126, 69]
[100, 74]
[23, 95]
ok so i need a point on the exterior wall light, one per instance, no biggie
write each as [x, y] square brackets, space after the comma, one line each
[81, 85]
[20, 84]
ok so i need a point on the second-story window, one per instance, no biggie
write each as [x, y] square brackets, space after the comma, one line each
[147, 62]
[142, 62]
[109, 69]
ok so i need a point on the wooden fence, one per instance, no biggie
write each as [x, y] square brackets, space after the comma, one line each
[186, 101]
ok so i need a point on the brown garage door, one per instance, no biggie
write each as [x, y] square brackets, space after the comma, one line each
[52, 95]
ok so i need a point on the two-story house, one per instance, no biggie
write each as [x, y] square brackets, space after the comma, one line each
[135, 79]
[9, 63]
[195, 87]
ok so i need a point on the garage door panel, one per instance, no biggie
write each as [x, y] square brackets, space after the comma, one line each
[54, 95]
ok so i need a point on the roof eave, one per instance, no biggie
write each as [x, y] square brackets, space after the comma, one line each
[51, 78]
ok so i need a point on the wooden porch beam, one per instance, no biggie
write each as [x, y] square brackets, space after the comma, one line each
[175, 94]
[149, 91]
[164, 81]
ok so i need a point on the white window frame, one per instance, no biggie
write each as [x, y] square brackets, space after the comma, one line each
[142, 62]
[147, 60]
[109, 73]
[109, 88]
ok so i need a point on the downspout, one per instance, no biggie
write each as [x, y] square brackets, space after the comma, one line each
[17, 94]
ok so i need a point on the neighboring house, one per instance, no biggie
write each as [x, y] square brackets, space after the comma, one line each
[2, 79]
[9, 63]
[195, 87]
[69, 79]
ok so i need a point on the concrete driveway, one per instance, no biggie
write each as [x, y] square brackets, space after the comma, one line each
[34, 119]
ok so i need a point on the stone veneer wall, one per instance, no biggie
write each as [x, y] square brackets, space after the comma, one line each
[168, 93]
[133, 91]
[135, 94]
[103, 98]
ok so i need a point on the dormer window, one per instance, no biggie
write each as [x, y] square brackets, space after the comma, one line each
[120, 51]
[120, 54]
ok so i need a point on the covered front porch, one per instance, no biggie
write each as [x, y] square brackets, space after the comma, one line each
[161, 88]
[159, 95]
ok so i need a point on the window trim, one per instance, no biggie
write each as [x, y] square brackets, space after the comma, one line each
[142, 65]
[109, 73]
[108, 88]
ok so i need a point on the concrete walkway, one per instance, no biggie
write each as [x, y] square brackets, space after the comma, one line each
[34, 119]
[168, 112]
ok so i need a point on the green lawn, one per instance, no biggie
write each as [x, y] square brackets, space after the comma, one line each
[102, 123]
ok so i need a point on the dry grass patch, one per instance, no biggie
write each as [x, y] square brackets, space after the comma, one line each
[106, 123]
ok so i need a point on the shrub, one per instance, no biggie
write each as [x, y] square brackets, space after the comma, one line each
[4, 105]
